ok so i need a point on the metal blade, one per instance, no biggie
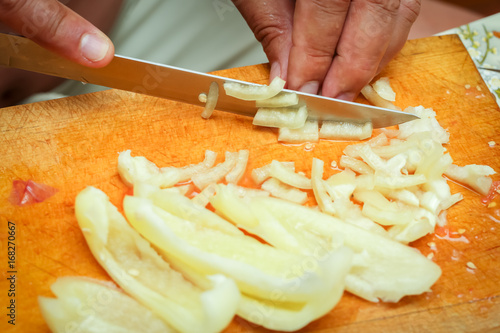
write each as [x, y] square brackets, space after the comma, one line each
[177, 84]
[490, 69]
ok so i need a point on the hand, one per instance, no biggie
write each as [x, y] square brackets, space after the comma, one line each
[60, 29]
[56, 27]
[332, 47]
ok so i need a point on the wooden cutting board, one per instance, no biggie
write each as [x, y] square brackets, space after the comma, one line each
[74, 142]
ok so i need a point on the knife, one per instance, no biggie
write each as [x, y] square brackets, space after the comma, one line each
[490, 69]
[178, 84]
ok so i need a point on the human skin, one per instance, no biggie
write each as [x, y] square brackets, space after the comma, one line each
[59, 26]
[332, 47]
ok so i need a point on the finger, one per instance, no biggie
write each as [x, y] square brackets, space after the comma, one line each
[365, 39]
[271, 23]
[317, 26]
[102, 14]
[57, 28]
[407, 15]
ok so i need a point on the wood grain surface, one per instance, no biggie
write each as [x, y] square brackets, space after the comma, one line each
[74, 142]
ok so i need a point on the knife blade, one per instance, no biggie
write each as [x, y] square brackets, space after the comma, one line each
[178, 84]
[490, 69]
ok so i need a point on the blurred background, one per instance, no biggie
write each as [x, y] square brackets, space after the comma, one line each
[437, 16]
[485, 7]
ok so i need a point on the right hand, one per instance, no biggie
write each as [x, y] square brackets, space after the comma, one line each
[60, 29]
[54, 26]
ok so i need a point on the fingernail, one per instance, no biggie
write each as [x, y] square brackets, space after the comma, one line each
[346, 97]
[275, 71]
[94, 47]
[310, 87]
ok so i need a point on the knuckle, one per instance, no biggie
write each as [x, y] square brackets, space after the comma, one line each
[384, 14]
[362, 63]
[387, 6]
[266, 33]
[320, 52]
[410, 9]
[47, 20]
[54, 25]
[35, 19]
[331, 7]
[11, 7]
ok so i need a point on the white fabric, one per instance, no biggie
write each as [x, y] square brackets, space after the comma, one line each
[201, 35]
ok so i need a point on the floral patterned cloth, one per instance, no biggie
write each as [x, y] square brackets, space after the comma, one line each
[482, 40]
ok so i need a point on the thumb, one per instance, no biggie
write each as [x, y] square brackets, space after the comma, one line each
[271, 23]
[57, 28]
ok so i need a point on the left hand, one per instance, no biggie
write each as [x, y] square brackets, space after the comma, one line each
[332, 47]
